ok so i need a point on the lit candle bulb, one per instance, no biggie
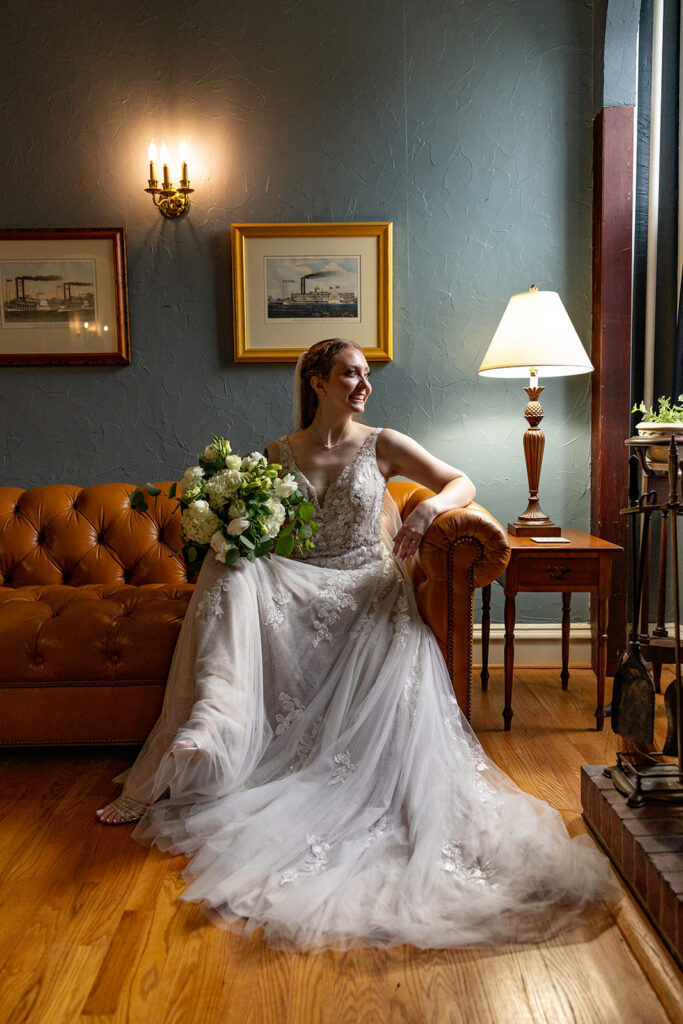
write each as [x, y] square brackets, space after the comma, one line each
[164, 160]
[152, 153]
[183, 157]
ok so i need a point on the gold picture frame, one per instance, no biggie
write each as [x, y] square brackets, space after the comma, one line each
[295, 284]
[64, 297]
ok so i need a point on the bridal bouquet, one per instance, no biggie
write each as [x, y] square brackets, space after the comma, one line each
[237, 507]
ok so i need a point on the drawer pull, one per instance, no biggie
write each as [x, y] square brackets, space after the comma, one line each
[558, 572]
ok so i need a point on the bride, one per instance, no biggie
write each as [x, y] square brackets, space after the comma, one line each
[310, 756]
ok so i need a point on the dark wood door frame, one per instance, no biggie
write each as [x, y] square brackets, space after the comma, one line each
[613, 130]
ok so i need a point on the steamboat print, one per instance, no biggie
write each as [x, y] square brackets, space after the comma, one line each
[312, 288]
[47, 293]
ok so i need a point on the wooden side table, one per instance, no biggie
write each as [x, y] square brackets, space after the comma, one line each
[585, 564]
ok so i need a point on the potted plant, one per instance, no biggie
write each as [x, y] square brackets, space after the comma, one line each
[661, 424]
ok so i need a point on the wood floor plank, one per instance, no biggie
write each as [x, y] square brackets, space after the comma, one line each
[93, 932]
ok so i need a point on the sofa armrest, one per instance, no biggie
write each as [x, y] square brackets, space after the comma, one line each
[463, 548]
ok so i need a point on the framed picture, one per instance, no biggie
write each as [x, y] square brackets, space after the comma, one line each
[295, 284]
[64, 297]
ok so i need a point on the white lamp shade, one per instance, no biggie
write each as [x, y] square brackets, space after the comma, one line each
[535, 332]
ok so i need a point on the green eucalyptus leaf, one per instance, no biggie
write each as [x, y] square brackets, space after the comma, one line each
[246, 542]
[137, 501]
[151, 489]
[306, 510]
[172, 490]
[232, 556]
[284, 546]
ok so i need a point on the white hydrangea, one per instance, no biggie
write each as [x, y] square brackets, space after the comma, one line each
[284, 486]
[221, 487]
[192, 481]
[254, 459]
[199, 522]
[237, 526]
[221, 546]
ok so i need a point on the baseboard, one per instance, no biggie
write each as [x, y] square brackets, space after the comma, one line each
[538, 643]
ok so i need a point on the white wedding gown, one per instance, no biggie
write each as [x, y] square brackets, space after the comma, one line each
[341, 799]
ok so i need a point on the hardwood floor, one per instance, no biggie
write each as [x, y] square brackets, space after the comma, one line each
[92, 931]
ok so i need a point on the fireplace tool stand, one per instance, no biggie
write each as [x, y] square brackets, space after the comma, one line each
[642, 777]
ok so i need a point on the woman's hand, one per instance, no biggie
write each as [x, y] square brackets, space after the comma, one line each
[409, 537]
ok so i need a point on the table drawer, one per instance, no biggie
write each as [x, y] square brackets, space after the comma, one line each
[556, 570]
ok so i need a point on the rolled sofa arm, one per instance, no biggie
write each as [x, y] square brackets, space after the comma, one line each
[463, 549]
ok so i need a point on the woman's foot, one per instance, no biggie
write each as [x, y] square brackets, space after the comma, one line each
[186, 749]
[121, 811]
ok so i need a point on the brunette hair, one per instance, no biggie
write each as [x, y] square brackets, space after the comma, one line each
[317, 362]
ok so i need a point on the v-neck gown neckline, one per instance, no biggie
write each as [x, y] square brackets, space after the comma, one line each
[313, 491]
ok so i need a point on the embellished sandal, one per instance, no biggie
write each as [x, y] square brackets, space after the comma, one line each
[129, 810]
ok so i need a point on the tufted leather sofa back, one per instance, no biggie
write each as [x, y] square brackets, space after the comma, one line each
[85, 535]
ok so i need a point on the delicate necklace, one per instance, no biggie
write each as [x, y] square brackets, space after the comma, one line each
[322, 443]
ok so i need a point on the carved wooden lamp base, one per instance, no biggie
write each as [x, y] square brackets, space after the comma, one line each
[534, 522]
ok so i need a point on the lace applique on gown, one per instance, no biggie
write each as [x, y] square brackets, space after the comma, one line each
[340, 798]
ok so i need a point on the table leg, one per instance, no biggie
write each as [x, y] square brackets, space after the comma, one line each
[603, 613]
[509, 657]
[566, 609]
[485, 634]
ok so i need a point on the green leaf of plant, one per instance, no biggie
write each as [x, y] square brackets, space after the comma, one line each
[232, 556]
[284, 546]
[137, 501]
[172, 490]
[247, 543]
[306, 510]
[305, 532]
[151, 489]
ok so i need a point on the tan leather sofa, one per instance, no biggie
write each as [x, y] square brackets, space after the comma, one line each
[92, 599]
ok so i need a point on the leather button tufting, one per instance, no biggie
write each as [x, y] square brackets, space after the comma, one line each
[39, 659]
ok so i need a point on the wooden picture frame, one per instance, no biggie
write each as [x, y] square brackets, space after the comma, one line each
[295, 284]
[64, 297]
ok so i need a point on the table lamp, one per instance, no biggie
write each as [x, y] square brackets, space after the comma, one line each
[535, 338]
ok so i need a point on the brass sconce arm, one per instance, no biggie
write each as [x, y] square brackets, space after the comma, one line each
[170, 201]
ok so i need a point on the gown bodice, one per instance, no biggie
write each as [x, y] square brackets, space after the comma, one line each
[349, 518]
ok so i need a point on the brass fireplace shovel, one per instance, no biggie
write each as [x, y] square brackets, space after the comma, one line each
[633, 692]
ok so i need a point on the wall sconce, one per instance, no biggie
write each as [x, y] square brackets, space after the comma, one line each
[170, 201]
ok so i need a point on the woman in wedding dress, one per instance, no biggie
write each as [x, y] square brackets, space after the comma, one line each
[310, 756]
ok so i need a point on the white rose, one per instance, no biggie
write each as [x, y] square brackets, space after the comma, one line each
[233, 462]
[192, 480]
[237, 526]
[199, 522]
[285, 486]
[253, 460]
[220, 545]
[211, 452]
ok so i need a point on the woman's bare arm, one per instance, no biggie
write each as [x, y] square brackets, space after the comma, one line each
[399, 455]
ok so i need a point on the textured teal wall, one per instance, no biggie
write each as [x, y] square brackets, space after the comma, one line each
[466, 124]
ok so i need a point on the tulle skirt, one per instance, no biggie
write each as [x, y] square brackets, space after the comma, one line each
[339, 797]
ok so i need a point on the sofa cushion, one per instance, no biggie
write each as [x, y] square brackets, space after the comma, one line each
[81, 535]
[89, 633]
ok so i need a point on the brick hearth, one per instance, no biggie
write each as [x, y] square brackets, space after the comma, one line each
[645, 845]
